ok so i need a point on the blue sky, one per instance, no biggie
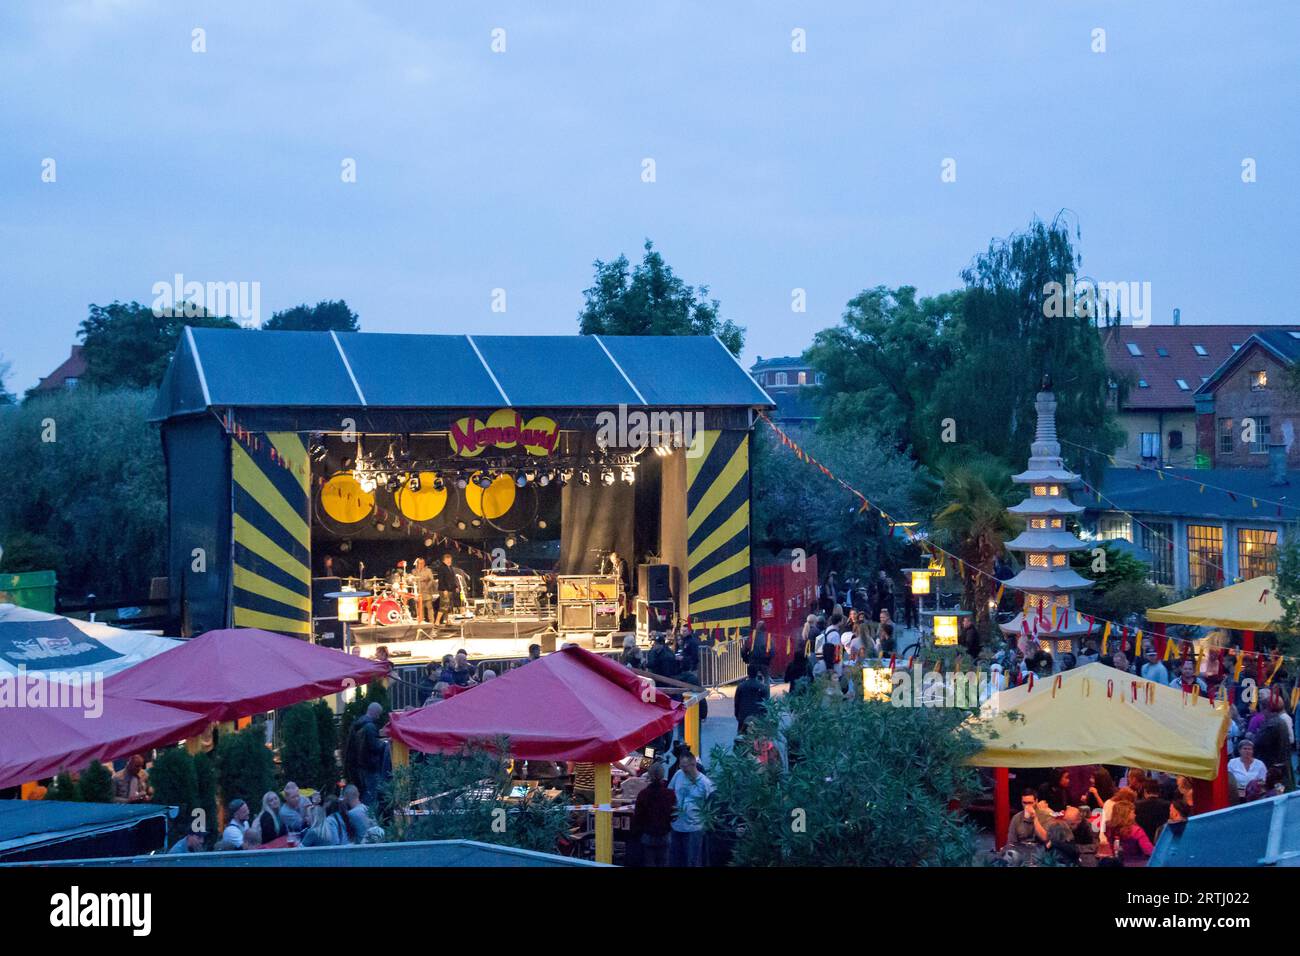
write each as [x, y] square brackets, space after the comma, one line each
[775, 170]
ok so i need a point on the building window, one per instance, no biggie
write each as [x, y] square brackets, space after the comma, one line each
[1200, 350]
[1259, 380]
[1162, 352]
[1225, 436]
[1175, 440]
[1037, 561]
[1182, 383]
[1059, 560]
[1115, 528]
[779, 378]
[1150, 444]
[70, 382]
[819, 378]
[1158, 540]
[1262, 432]
[803, 378]
[1204, 555]
[1134, 350]
[1256, 552]
[1037, 522]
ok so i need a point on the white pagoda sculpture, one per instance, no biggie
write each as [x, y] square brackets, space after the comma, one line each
[1047, 580]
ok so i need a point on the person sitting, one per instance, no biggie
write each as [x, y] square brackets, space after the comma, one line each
[462, 675]
[268, 821]
[1133, 842]
[1151, 810]
[295, 810]
[131, 783]
[1056, 791]
[356, 815]
[1245, 769]
[1060, 846]
[237, 813]
[1085, 840]
[1022, 830]
[191, 842]
[329, 828]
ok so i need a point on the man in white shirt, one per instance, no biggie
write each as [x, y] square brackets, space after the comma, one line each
[692, 789]
[1152, 669]
[237, 813]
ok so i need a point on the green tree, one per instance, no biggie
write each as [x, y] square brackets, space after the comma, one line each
[300, 759]
[84, 485]
[648, 299]
[324, 316]
[205, 783]
[245, 767]
[868, 784]
[882, 361]
[95, 785]
[64, 788]
[327, 734]
[29, 552]
[175, 785]
[795, 505]
[1287, 629]
[973, 523]
[128, 345]
[6, 397]
[463, 793]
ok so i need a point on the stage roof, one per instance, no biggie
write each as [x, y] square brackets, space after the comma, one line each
[243, 368]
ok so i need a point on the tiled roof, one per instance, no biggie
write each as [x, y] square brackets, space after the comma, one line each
[1282, 344]
[74, 366]
[1169, 353]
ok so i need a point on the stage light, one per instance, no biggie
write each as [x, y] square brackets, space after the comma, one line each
[367, 483]
[461, 482]
[530, 475]
[476, 523]
[584, 477]
[510, 542]
[379, 527]
[541, 523]
[521, 479]
[438, 484]
[629, 474]
[317, 450]
[543, 480]
[413, 484]
[483, 481]
[607, 476]
[460, 525]
[345, 546]
[428, 542]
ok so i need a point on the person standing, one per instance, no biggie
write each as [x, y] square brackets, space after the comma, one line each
[447, 586]
[751, 693]
[691, 788]
[426, 587]
[367, 752]
[760, 649]
[652, 817]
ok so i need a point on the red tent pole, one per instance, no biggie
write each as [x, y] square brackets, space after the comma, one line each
[1001, 805]
[1248, 641]
[1157, 631]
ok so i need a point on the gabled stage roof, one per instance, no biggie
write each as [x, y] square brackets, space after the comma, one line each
[234, 368]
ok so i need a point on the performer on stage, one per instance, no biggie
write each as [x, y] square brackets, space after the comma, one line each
[425, 590]
[447, 585]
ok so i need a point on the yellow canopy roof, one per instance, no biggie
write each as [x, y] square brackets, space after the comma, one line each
[1249, 606]
[1078, 723]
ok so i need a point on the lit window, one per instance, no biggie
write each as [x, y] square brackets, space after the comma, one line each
[1142, 383]
[1040, 491]
[1200, 350]
[1258, 380]
[1038, 560]
[1059, 560]
[1113, 528]
[1256, 552]
[1038, 522]
[1057, 523]
[1158, 541]
[1182, 383]
[803, 378]
[1225, 436]
[1204, 555]
[1134, 350]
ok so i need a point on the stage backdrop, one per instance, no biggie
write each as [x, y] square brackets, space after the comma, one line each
[271, 577]
[717, 526]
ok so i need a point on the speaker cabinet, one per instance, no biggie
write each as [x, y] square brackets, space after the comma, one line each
[652, 582]
[576, 617]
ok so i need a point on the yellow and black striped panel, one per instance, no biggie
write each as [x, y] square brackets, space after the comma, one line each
[717, 528]
[271, 576]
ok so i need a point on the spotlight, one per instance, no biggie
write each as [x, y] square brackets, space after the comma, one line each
[460, 525]
[317, 450]
[413, 484]
[379, 527]
[367, 483]
[661, 451]
[477, 523]
[461, 482]
[629, 474]
[541, 523]
[510, 542]
[428, 542]
[438, 483]
[607, 476]
[584, 476]
[521, 479]
[483, 481]
[345, 546]
[544, 479]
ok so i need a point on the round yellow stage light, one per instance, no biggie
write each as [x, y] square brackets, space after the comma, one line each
[424, 504]
[344, 501]
[491, 502]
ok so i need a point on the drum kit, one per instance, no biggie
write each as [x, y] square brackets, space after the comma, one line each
[390, 597]
[504, 596]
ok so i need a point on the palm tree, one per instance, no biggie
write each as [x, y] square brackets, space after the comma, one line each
[974, 523]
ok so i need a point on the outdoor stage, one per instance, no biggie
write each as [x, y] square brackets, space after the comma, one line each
[303, 463]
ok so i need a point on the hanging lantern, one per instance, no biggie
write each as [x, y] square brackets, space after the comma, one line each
[348, 608]
[945, 630]
[920, 580]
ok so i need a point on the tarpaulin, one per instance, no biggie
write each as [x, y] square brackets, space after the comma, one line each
[1249, 606]
[36, 641]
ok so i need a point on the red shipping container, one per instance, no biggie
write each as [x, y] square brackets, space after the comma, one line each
[783, 597]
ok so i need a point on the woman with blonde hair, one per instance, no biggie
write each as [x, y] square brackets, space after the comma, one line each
[1132, 840]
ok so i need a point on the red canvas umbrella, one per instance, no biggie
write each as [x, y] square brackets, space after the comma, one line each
[571, 705]
[38, 742]
[242, 671]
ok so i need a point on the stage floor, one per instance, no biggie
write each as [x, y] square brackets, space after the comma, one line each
[478, 648]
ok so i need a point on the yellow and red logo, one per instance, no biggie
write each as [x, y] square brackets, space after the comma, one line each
[504, 429]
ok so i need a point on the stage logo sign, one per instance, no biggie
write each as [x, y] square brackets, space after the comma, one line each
[45, 645]
[505, 428]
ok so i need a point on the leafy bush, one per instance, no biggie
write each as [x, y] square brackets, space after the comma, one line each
[869, 784]
[245, 767]
[175, 785]
[205, 784]
[468, 786]
[95, 784]
[327, 734]
[300, 759]
[64, 788]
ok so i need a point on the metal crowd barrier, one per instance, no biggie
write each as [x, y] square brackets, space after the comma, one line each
[722, 663]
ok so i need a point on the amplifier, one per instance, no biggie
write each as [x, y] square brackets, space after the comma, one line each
[652, 617]
[577, 616]
[587, 587]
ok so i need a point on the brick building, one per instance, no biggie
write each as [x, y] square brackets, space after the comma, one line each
[1246, 405]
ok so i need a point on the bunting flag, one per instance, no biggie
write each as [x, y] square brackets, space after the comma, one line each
[1170, 643]
[1105, 637]
[1137, 643]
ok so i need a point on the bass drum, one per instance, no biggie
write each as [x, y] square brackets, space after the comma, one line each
[387, 611]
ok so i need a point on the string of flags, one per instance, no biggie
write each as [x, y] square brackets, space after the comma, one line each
[1267, 663]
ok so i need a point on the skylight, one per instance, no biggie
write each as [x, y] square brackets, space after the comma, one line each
[1200, 350]
[1162, 352]
[1142, 383]
[1133, 349]
[1182, 383]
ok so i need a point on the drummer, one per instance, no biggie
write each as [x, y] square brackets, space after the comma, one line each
[425, 590]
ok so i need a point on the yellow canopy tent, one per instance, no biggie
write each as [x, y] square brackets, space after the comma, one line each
[1092, 717]
[1249, 606]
